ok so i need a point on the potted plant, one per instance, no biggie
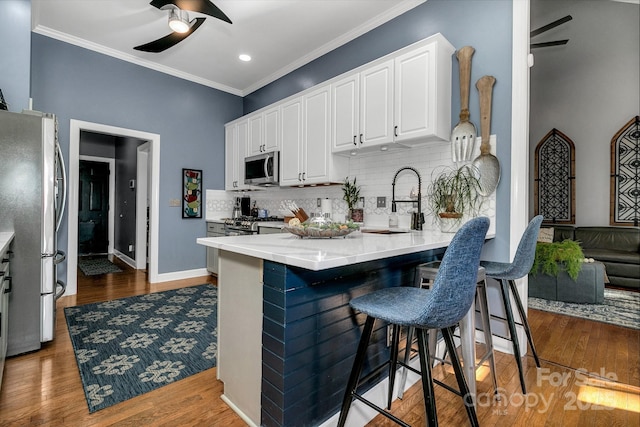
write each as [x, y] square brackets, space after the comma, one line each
[452, 195]
[351, 195]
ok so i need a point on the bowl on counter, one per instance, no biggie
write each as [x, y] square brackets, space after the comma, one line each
[319, 227]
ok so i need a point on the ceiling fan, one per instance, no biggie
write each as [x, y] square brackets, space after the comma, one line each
[547, 28]
[179, 21]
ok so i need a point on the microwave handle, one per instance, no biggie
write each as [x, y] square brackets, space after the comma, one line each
[266, 166]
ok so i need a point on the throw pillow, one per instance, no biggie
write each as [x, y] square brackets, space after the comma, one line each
[545, 235]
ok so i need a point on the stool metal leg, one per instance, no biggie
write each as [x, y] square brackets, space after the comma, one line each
[433, 344]
[504, 288]
[481, 293]
[525, 322]
[407, 356]
[427, 380]
[393, 363]
[352, 383]
[467, 397]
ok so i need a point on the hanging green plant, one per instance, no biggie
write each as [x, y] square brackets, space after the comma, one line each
[550, 256]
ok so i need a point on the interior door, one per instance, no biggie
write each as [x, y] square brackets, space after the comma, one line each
[93, 208]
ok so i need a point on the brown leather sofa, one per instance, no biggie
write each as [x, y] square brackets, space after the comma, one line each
[618, 248]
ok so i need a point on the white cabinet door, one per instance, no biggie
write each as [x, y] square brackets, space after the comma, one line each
[376, 105]
[317, 136]
[230, 157]
[291, 150]
[236, 137]
[264, 131]
[345, 114]
[256, 134]
[423, 94]
[272, 129]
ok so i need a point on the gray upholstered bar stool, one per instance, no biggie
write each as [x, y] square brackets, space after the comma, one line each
[440, 307]
[506, 274]
[425, 276]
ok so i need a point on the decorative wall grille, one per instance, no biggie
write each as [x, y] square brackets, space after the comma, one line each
[555, 179]
[625, 169]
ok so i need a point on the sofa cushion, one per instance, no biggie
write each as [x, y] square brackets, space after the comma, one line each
[613, 238]
[614, 256]
[617, 269]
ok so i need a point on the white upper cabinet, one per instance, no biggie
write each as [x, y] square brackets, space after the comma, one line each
[306, 141]
[422, 93]
[395, 102]
[362, 110]
[264, 131]
[402, 101]
[236, 137]
[345, 113]
[291, 153]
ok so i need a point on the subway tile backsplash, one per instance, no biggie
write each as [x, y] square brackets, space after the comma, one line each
[374, 174]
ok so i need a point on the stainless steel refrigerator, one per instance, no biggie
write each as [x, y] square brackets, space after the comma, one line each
[32, 198]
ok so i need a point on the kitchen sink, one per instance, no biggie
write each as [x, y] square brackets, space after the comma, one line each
[385, 230]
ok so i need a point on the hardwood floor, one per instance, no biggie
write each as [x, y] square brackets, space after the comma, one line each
[590, 377]
[43, 388]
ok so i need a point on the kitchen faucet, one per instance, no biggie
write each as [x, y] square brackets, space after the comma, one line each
[417, 218]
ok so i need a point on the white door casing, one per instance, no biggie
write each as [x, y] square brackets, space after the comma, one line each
[75, 127]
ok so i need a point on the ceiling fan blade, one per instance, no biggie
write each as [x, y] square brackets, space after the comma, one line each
[550, 25]
[547, 44]
[201, 6]
[170, 40]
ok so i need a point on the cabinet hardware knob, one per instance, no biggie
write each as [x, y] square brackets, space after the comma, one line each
[395, 130]
[360, 138]
[304, 175]
[354, 140]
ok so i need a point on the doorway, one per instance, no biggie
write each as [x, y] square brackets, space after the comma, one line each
[93, 208]
[153, 167]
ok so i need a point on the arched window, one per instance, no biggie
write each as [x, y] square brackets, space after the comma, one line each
[625, 169]
[555, 187]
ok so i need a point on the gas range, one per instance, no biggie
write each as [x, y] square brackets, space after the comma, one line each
[246, 224]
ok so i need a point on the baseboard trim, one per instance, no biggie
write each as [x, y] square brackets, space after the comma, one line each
[124, 258]
[180, 275]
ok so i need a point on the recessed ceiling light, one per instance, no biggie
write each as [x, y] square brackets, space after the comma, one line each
[245, 58]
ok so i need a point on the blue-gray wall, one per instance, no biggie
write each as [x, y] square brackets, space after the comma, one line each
[76, 83]
[80, 84]
[486, 25]
[15, 52]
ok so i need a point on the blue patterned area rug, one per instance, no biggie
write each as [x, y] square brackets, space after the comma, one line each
[130, 346]
[621, 308]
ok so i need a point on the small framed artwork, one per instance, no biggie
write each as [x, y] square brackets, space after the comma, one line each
[192, 193]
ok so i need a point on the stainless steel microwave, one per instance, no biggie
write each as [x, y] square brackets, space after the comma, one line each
[262, 169]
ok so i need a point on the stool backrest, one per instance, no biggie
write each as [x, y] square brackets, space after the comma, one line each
[455, 284]
[526, 252]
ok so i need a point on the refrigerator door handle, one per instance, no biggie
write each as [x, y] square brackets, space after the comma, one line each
[60, 256]
[64, 187]
[63, 288]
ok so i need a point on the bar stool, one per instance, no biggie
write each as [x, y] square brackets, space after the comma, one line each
[427, 273]
[506, 273]
[440, 307]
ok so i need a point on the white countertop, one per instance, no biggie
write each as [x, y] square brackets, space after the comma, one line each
[5, 239]
[321, 254]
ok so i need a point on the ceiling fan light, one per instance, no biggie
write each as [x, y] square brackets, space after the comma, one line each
[179, 20]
